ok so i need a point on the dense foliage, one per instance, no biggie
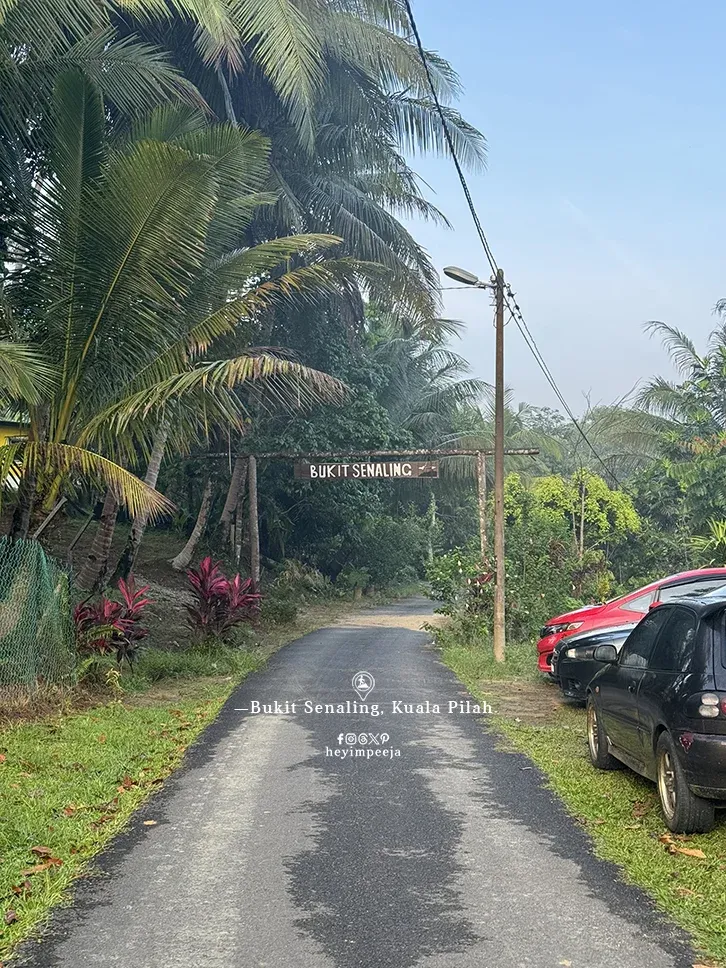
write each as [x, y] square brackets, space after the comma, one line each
[203, 255]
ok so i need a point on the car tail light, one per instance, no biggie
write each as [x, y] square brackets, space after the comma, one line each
[710, 704]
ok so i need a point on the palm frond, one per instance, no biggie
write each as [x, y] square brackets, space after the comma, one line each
[24, 374]
[679, 346]
[131, 492]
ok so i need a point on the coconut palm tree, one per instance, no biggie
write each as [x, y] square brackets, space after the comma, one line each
[427, 384]
[132, 275]
[344, 171]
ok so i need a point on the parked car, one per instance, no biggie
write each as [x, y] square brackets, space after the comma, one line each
[659, 707]
[574, 663]
[624, 610]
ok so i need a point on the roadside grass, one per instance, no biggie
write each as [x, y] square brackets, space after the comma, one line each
[470, 656]
[69, 784]
[619, 809]
[75, 765]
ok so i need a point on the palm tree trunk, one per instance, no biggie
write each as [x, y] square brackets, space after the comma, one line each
[184, 557]
[95, 567]
[240, 522]
[236, 485]
[20, 523]
[138, 525]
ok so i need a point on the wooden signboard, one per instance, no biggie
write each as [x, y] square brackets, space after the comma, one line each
[367, 470]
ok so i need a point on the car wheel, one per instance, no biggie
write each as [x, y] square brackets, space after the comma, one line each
[597, 741]
[684, 812]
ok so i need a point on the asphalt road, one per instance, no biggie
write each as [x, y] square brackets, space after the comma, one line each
[271, 853]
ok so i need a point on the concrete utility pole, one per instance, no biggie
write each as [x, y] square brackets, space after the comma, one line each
[497, 284]
[499, 633]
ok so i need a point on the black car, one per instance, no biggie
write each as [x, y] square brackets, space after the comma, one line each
[660, 707]
[574, 663]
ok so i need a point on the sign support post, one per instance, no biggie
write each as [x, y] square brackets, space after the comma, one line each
[481, 479]
[254, 525]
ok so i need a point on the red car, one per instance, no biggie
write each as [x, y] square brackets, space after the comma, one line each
[628, 608]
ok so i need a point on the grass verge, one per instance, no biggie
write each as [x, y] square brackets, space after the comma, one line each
[619, 809]
[69, 783]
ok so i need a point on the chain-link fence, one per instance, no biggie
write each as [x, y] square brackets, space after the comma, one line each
[36, 624]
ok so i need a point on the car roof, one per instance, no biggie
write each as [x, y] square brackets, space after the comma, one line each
[681, 576]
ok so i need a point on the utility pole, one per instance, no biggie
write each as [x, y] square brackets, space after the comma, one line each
[499, 635]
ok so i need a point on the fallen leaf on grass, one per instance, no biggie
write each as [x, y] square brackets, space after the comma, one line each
[104, 818]
[150, 823]
[10, 916]
[41, 851]
[673, 848]
[24, 888]
[640, 808]
[39, 868]
[69, 810]
[102, 738]
[2, 757]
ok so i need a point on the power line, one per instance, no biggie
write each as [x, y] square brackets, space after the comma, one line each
[514, 309]
[531, 343]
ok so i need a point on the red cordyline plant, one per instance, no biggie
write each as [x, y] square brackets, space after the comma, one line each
[219, 602]
[106, 626]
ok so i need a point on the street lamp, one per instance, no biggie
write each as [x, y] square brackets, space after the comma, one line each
[497, 284]
[467, 278]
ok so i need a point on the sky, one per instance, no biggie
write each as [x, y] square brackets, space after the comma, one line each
[604, 198]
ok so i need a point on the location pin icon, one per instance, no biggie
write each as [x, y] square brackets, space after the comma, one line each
[363, 683]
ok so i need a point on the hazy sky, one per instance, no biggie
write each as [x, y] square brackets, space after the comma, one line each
[604, 199]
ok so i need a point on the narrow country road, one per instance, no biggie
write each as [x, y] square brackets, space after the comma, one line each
[271, 853]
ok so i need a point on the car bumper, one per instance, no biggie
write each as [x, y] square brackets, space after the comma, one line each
[570, 683]
[545, 648]
[703, 757]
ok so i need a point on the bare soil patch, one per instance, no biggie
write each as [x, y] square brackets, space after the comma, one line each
[536, 703]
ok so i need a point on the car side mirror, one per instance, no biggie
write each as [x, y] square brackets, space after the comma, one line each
[606, 653]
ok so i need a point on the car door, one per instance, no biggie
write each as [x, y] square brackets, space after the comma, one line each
[587, 668]
[669, 663]
[617, 686]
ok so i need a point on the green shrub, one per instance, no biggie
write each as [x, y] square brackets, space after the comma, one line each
[352, 578]
[298, 580]
[279, 611]
[388, 547]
